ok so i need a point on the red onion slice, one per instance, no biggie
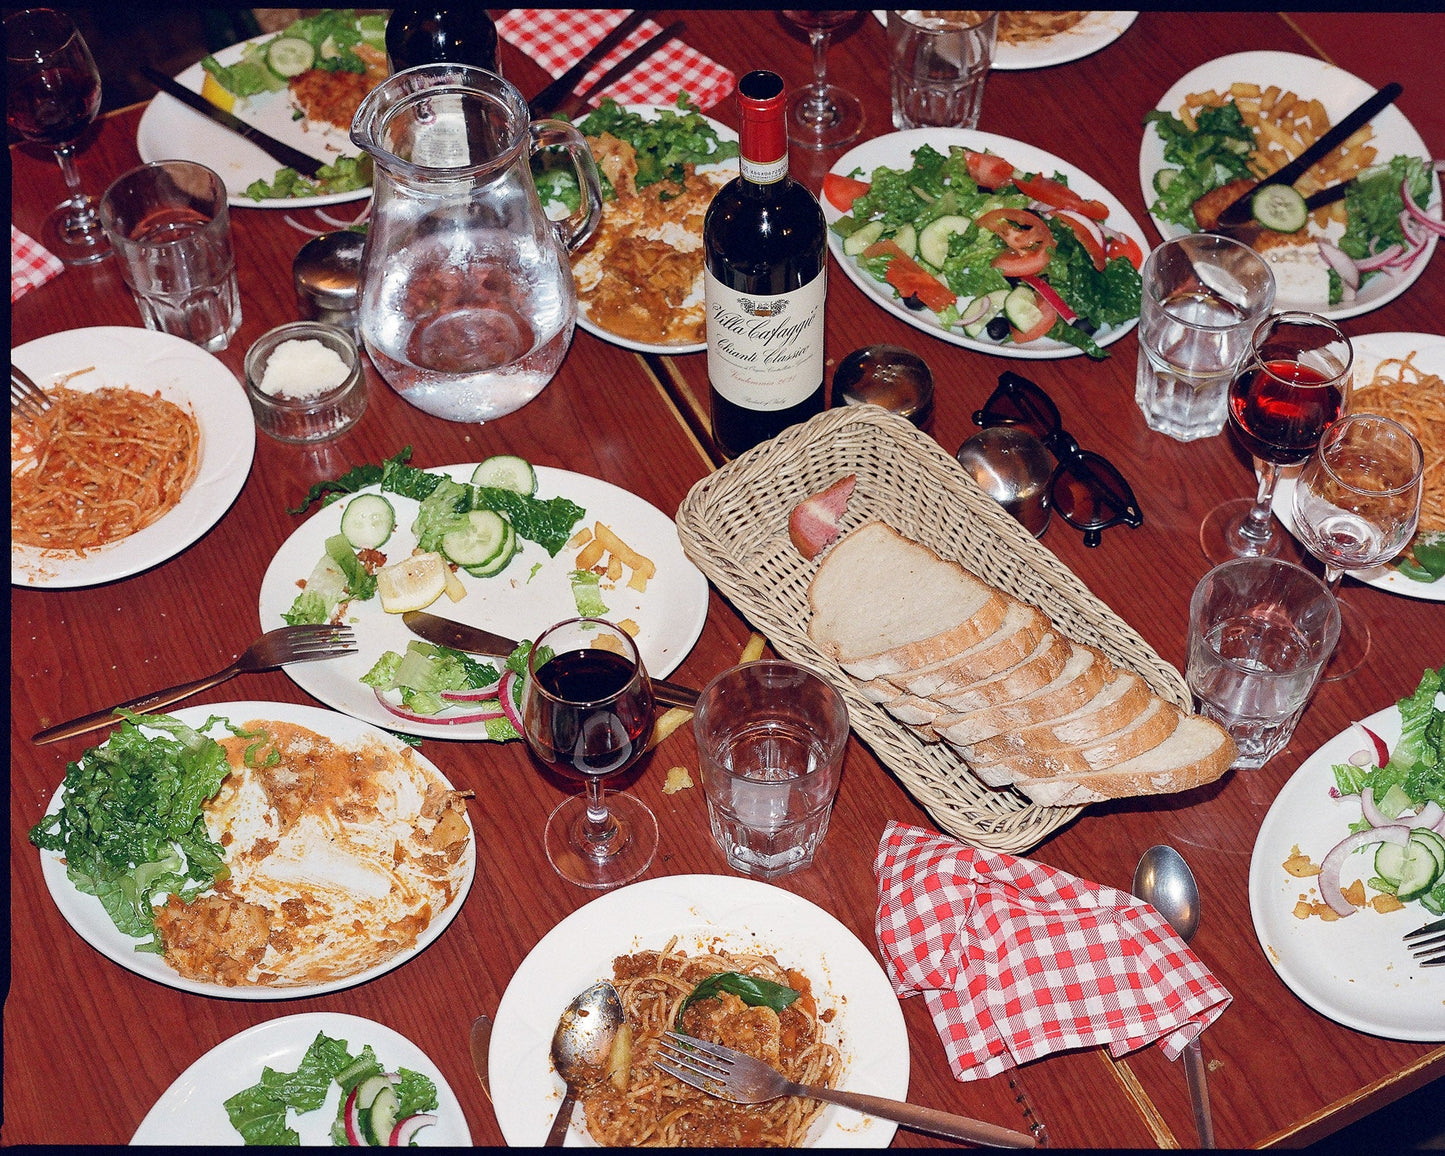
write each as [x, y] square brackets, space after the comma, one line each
[508, 702]
[1431, 815]
[439, 719]
[1342, 263]
[472, 695]
[1418, 213]
[1379, 260]
[1330, 869]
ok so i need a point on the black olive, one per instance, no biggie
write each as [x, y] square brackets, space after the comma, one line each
[913, 301]
[1086, 325]
[998, 328]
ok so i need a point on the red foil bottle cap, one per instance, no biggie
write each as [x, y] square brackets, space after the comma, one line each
[763, 141]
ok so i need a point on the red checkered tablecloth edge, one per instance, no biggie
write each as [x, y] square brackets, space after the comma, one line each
[31, 264]
[1016, 959]
[556, 38]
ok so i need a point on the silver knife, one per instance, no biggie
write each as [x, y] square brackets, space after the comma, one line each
[293, 158]
[556, 93]
[474, 640]
[623, 67]
[481, 1039]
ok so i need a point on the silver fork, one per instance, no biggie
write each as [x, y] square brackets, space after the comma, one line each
[733, 1075]
[1430, 950]
[274, 649]
[26, 398]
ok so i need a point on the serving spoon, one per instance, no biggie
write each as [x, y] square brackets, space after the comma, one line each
[1163, 880]
[583, 1040]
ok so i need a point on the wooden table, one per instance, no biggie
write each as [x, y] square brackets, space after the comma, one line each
[90, 1046]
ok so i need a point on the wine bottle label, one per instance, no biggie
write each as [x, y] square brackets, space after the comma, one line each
[765, 352]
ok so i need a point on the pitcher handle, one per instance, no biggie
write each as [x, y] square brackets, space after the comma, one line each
[573, 230]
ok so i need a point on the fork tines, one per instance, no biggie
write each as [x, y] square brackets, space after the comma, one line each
[1428, 929]
[682, 1061]
[26, 398]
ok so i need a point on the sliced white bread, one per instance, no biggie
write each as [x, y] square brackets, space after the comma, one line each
[1022, 628]
[881, 603]
[1117, 703]
[1083, 674]
[1198, 752]
[1158, 721]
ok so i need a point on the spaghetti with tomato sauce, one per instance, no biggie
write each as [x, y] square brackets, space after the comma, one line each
[643, 1106]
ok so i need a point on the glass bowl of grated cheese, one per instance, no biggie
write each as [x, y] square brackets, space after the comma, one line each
[305, 382]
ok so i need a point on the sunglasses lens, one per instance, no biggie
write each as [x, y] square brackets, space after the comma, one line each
[1019, 402]
[1090, 493]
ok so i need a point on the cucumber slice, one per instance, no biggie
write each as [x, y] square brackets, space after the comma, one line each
[1432, 843]
[502, 559]
[1390, 863]
[993, 302]
[368, 521]
[369, 1089]
[1164, 178]
[1279, 207]
[1021, 308]
[380, 1118]
[1419, 872]
[290, 56]
[506, 472]
[907, 239]
[481, 539]
[856, 242]
[933, 238]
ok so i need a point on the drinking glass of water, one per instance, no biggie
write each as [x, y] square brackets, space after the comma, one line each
[1260, 632]
[938, 62]
[770, 740]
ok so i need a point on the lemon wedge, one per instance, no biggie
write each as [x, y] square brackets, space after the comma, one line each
[414, 583]
[211, 89]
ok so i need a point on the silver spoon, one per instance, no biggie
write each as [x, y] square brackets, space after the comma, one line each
[583, 1039]
[1163, 880]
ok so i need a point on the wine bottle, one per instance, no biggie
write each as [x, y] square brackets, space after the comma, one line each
[765, 281]
[441, 35]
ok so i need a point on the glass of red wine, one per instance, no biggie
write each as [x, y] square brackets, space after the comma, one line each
[587, 712]
[1356, 506]
[53, 91]
[1294, 382]
[822, 115]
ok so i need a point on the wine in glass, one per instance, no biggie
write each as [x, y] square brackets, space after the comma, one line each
[1356, 505]
[1294, 382]
[822, 115]
[53, 90]
[587, 711]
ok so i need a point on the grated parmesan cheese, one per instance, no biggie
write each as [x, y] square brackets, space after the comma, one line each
[302, 368]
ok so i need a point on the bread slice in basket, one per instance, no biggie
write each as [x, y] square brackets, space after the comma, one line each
[1024, 705]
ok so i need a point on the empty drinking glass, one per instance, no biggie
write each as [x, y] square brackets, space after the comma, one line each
[938, 61]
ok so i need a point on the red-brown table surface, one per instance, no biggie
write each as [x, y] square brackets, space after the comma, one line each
[89, 1046]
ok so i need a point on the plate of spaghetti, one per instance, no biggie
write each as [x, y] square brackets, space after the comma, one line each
[1043, 39]
[1400, 375]
[147, 442]
[699, 941]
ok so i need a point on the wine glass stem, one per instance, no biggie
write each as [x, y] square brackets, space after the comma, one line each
[820, 58]
[84, 213]
[601, 826]
[1255, 528]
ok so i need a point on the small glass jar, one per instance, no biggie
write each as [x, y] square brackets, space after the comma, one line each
[292, 413]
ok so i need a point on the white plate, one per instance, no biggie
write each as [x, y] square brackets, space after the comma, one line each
[1340, 93]
[85, 914]
[182, 373]
[1356, 970]
[516, 602]
[741, 914]
[193, 1109]
[1370, 350]
[729, 166]
[170, 130]
[896, 151]
[1095, 31]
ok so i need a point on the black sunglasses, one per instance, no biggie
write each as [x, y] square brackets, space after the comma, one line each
[1088, 492]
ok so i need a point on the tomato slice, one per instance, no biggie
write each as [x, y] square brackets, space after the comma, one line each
[1060, 196]
[842, 191]
[1088, 237]
[1047, 316]
[1125, 246]
[1023, 264]
[1030, 243]
[910, 278]
[987, 170]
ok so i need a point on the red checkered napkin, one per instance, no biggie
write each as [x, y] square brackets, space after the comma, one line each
[1016, 959]
[556, 38]
[31, 264]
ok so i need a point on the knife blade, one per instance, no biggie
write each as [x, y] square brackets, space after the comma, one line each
[623, 67]
[481, 1039]
[1240, 211]
[474, 640]
[560, 89]
[293, 158]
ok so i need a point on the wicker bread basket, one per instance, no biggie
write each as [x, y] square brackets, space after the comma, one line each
[734, 526]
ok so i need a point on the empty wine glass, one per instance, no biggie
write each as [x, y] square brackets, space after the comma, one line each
[587, 711]
[1295, 381]
[821, 115]
[53, 90]
[1356, 505]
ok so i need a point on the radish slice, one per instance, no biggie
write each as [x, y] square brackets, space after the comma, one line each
[440, 719]
[1377, 744]
[401, 1135]
[1330, 869]
[352, 1119]
[508, 702]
